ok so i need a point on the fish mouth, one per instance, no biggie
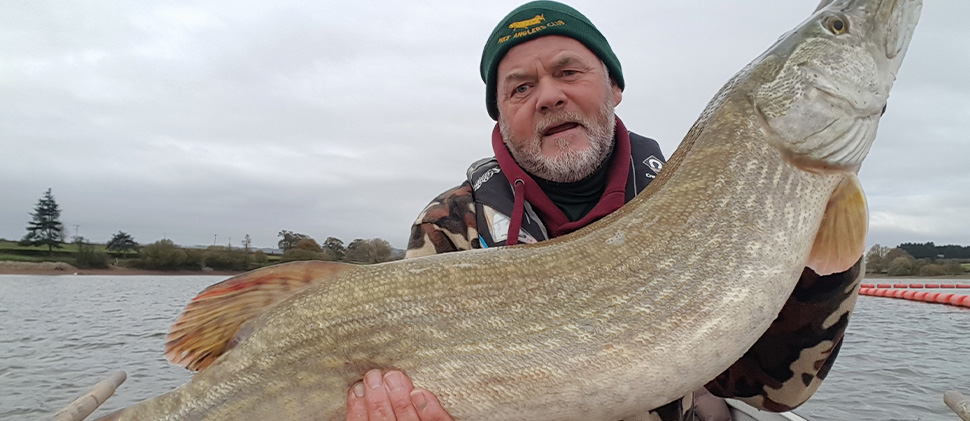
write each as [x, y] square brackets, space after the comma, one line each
[862, 106]
[875, 109]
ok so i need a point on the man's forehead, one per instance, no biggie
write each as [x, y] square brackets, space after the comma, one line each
[551, 50]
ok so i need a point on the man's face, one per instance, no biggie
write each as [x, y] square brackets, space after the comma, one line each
[556, 103]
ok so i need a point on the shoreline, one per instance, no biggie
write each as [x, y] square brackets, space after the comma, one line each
[61, 268]
[8, 267]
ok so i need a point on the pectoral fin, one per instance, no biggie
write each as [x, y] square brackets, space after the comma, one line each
[206, 328]
[841, 237]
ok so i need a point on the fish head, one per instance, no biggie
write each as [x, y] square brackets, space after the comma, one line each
[824, 85]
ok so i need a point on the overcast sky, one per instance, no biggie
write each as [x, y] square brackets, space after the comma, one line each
[205, 121]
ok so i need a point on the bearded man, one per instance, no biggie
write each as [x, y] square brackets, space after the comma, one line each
[562, 161]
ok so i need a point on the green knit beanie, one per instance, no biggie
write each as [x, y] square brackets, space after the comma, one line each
[533, 20]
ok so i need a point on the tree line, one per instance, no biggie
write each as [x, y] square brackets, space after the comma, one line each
[912, 259]
[45, 230]
[298, 246]
[932, 251]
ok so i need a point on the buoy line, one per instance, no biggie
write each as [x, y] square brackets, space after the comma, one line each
[959, 300]
[917, 286]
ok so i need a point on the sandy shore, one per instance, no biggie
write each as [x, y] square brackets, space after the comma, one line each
[61, 268]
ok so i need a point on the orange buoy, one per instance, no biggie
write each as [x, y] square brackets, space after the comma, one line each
[948, 286]
[915, 285]
[925, 296]
[883, 286]
[867, 286]
[932, 285]
[963, 286]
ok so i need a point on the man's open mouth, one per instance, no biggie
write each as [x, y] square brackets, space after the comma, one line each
[559, 128]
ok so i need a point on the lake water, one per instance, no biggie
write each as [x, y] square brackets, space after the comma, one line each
[61, 334]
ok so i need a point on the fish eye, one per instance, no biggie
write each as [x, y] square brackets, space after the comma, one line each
[836, 25]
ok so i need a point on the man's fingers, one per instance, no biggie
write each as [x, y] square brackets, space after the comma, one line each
[392, 397]
[399, 388]
[375, 398]
[356, 407]
[428, 406]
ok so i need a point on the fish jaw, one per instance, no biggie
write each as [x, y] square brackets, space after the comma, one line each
[822, 93]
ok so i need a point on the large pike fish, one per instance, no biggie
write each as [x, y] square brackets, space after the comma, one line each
[616, 319]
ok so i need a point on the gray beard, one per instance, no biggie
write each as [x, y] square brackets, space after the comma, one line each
[569, 165]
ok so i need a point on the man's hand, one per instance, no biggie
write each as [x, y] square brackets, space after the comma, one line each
[391, 397]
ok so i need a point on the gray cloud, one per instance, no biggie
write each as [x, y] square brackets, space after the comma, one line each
[190, 121]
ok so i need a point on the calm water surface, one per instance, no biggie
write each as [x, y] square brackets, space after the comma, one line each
[61, 334]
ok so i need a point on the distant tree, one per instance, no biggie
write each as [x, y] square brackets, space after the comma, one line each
[88, 257]
[921, 250]
[164, 254]
[896, 253]
[260, 258]
[902, 266]
[932, 269]
[358, 251]
[952, 267]
[194, 259]
[920, 263]
[45, 229]
[952, 251]
[288, 239]
[79, 241]
[247, 242]
[122, 242]
[380, 250]
[295, 254]
[225, 258]
[876, 259]
[335, 247]
[308, 244]
[375, 250]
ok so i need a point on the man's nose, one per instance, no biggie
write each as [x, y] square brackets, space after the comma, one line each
[550, 96]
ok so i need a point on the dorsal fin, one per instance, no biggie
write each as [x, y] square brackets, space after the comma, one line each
[206, 328]
[841, 237]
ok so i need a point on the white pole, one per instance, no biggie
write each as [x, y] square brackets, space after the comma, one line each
[958, 403]
[86, 404]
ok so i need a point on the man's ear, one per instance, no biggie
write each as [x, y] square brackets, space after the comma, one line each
[617, 93]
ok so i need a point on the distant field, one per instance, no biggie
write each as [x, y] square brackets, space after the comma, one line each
[20, 258]
[68, 253]
[12, 245]
[7, 245]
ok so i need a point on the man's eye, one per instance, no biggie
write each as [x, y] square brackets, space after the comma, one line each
[521, 89]
[568, 73]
